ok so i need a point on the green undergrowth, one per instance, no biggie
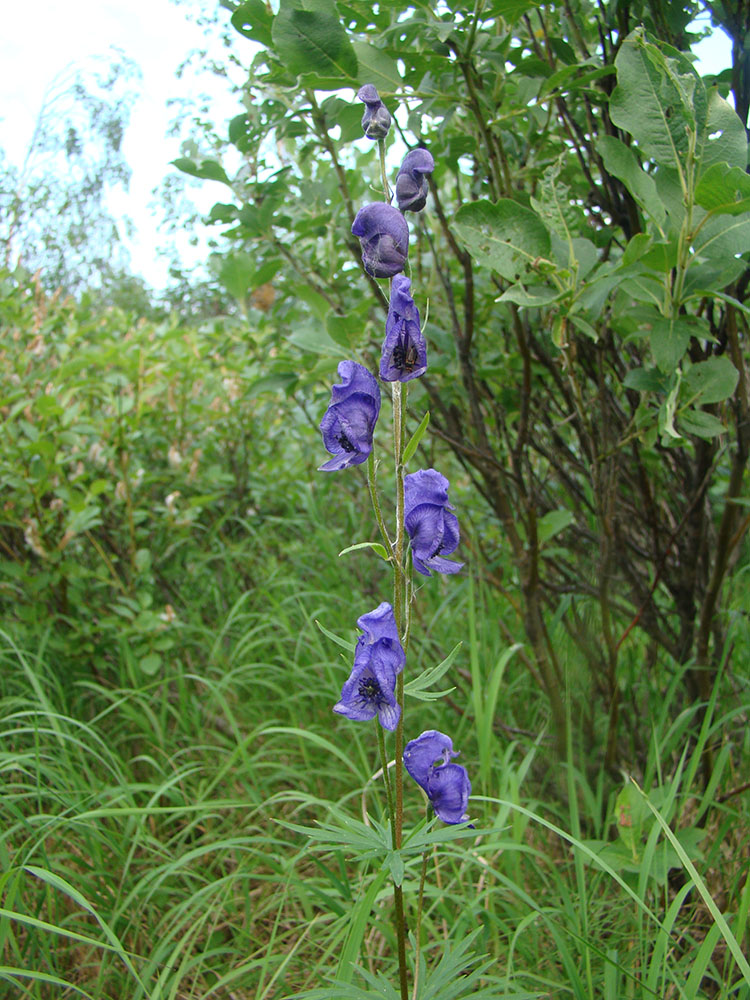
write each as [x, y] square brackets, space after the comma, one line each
[149, 842]
[166, 695]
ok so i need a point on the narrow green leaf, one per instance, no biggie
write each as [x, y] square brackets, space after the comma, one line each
[705, 895]
[375, 546]
[344, 643]
[431, 675]
[416, 437]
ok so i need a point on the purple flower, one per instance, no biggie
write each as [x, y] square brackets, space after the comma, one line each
[427, 759]
[404, 350]
[430, 523]
[411, 180]
[379, 628]
[348, 423]
[377, 119]
[378, 658]
[384, 236]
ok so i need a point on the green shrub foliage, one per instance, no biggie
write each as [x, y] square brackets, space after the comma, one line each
[585, 264]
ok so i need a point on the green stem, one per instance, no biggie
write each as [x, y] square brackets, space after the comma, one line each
[400, 613]
[373, 487]
[387, 781]
[418, 929]
[398, 898]
[383, 174]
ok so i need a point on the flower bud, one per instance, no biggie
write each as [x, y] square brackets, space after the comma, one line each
[411, 180]
[384, 236]
[376, 121]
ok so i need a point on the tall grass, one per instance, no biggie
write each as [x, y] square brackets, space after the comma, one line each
[146, 823]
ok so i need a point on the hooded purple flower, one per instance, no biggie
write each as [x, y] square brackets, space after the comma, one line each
[411, 180]
[378, 658]
[404, 350]
[430, 523]
[427, 759]
[377, 119]
[384, 236]
[348, 423]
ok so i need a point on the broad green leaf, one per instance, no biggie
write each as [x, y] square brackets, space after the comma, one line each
[311, 42]
[630, 813]
[236, 274]
[724, 189]
[700, 423]
[376, 67]
[532, 298]
[395, 864]
[712, 380]
[505, 236]
[253, 19]
[511, 10]
[276, 382]
[723, 140]
[150, 664]
[209, 170]
[645, 380]
[621, 161]
[722, 237]
[313, 337]
[343, 329]
[670, 337]
[659, 100]
[553, 523]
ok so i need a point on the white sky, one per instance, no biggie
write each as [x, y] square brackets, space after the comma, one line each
[42, 38]
[39, 39]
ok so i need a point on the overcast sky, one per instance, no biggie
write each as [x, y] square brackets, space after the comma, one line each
[39, 39]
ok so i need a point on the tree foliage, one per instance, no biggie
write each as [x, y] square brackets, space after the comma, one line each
[584, 257]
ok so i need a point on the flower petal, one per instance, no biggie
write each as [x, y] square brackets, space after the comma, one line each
[430, 522]
[448, 788]
[411, 181]
[404, 352]
[349, 422]
[421, 754]
[384, 238]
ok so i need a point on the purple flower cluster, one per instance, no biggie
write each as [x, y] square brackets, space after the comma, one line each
[348, 427]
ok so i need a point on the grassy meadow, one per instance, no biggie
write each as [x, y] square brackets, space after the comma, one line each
[166, 552]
